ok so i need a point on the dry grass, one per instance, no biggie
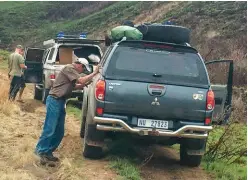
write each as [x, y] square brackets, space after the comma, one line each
[10, 173]
[6, 107]
[20, 128]
[16, 140]
[156, 14]
[239, 103]
[217, 49]
[19, 135]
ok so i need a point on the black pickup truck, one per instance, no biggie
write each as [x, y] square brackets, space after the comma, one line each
[154, 90]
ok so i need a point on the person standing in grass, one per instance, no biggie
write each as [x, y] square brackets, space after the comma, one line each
[16, 67]
[53, 130]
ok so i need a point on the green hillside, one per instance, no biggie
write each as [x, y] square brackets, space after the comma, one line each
[22, 21]
[218, 28]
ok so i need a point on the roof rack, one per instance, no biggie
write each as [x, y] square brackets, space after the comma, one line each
[51, 42]
[186, 46]
[74, 39]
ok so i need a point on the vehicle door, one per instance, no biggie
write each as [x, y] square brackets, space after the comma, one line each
[33, 60]
[221, 78]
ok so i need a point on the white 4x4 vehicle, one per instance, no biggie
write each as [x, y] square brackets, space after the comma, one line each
[44, 64]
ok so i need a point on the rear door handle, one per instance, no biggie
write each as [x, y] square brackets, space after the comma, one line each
[156, 92]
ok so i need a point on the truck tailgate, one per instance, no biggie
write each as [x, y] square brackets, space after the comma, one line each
[155, 101]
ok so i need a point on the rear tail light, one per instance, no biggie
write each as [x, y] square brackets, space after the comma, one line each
[207, 121]
[99, 111]
[210, 100]
[52, 76]
[100, 90]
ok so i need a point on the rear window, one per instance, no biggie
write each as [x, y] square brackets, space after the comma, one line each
[34, 54]
[157, 66]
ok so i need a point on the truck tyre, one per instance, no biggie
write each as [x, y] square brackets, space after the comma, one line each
[37, 93]
[82, 128]
[84, 113]
[191, 144]
[94, 152]
[189, 160]
[91, 134]
[45, 93]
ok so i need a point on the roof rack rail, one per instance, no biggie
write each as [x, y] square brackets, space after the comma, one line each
[74, 39]
[187, 46]
[51, 42]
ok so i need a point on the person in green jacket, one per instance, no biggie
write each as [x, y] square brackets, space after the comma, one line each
[16, 67]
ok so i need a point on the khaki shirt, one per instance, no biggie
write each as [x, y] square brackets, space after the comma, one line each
[65, 82]
[14, 62]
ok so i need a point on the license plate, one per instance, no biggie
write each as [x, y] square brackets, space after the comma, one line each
[153, 123]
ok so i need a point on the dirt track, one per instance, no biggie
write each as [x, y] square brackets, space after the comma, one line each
[19, 134]
[165, 165]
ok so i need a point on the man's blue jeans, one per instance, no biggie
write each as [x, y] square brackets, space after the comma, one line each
[53, 130]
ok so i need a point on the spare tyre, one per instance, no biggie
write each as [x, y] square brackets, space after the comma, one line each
[165, 33]
[143, 28]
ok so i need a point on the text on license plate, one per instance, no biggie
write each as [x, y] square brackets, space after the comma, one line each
[153, 123]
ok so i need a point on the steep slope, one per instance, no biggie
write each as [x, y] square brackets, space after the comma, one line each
[219, 31]
[218, 28]
[34, 20]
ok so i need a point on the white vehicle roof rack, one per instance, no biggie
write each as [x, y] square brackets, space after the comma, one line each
[49, 42]
[72, 39]
[52, 42]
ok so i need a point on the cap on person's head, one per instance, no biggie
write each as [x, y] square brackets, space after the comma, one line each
[84, 62]
[19, 47]
[94, 58]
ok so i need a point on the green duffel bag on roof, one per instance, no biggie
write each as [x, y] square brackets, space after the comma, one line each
[130, 33]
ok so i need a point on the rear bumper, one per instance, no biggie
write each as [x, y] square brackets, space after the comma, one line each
[187, 131]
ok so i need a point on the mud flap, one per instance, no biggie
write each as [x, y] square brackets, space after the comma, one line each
[95, 137]
[195, 146]
[195, 152]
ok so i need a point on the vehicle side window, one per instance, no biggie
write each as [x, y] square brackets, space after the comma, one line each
[51, 54]
[106, 55]
[45, 56]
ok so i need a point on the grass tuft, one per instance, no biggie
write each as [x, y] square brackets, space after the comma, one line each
[73, 110]
[125, 167]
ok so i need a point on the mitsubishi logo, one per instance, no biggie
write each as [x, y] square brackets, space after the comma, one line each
[155, 102]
